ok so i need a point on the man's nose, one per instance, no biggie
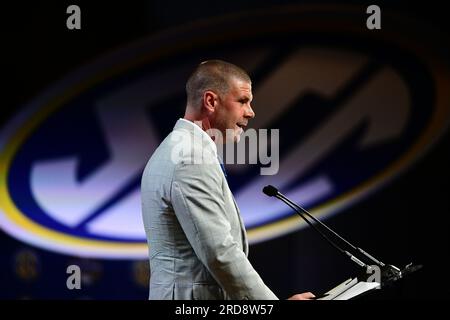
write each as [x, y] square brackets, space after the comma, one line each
[249, 112]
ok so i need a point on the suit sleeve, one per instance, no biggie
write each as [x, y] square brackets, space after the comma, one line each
[198, 202]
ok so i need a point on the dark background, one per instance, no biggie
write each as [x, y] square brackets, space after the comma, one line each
[404, 222]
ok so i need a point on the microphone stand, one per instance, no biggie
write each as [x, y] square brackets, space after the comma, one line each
[389, 273]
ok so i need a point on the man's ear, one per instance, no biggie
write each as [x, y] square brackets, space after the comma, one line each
[209, 101]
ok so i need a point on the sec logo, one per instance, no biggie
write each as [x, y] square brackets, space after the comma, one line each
[354, 109]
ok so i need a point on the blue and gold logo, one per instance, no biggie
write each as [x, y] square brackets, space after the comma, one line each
[354, 109]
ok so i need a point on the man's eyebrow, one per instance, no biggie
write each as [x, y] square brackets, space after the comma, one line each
[245, 98]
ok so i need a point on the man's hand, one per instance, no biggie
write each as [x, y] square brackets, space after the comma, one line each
[302, 296]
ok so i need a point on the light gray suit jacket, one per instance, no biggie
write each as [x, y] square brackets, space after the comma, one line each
[197, 241]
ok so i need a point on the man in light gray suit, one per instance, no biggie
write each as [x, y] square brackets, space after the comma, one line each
[197, 240]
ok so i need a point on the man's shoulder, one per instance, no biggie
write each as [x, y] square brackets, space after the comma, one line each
[182, 147]
[187, 146]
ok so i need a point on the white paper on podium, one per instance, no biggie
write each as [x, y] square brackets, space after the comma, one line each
[357, 289]
[348, 289]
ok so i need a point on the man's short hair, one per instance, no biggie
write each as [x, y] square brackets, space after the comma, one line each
[212, 75]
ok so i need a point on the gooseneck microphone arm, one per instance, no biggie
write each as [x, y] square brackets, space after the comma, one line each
[348, 254]
[273, 192]
[370, 257]
[389, 273]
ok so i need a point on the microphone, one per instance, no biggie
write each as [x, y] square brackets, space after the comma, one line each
[388, 272]
[270, 190]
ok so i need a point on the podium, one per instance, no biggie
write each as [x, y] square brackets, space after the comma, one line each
[360, 287]
[350, 289]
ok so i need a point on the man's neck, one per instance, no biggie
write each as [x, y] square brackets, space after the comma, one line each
[204, 125]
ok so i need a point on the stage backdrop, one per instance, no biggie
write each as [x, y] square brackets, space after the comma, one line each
[357, 121]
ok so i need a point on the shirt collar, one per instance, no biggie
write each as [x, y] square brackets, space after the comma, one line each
[199, 129]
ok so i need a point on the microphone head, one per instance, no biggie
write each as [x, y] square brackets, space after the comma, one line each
[270, 190]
